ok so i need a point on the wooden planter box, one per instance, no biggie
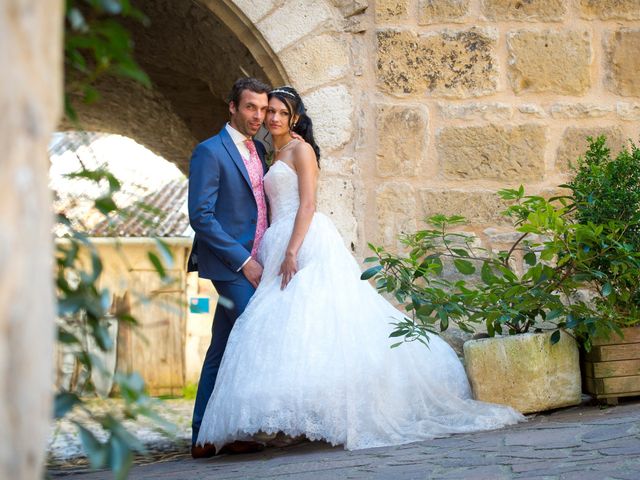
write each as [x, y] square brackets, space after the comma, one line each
[612, 368]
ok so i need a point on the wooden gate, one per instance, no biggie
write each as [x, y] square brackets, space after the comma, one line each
[155, 348]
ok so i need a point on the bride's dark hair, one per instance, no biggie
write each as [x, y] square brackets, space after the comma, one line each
[303, 126]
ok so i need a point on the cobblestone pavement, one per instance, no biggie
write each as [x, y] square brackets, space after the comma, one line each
[581, 443]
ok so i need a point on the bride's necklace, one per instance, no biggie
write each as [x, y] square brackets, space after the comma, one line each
[278, 150]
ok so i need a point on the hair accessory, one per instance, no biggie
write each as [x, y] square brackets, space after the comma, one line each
[286, 92]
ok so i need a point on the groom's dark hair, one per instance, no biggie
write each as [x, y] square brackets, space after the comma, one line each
[246, 83]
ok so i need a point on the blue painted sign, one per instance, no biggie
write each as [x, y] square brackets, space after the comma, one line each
[199, 305]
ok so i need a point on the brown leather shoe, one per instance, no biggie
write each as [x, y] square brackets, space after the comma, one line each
[242, 446]
[203, 451]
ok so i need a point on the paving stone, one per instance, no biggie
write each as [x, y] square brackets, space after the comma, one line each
[556, 439]
[597, 435]
[629, 447]
[536, 454]
[486, 472]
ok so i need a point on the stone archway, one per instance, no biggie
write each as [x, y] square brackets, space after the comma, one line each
[193, 52]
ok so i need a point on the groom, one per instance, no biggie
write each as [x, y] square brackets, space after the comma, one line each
[227, 211]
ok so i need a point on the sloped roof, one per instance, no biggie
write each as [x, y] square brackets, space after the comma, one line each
[151, 199]
[158, 214]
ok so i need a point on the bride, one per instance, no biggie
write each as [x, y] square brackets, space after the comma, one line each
[310, 355]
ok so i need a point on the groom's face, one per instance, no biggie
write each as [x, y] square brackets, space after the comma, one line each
[248, 115]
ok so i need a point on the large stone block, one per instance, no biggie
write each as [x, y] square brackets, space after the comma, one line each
[442, 11]
[532, 109]
[580, 110]
[449, 63]
[525, 371]
[331, 109]
[479, 207]
[317, 60]
[610, 9]
[351, 7]
[396, 213]
[280, 31]
[344, 166]
[628, 111]
[550, 61]
[623, 62]
[538, 10]
[402, 139]
[336, 199]
[255, 9]
[492, 152]
[574, 143]
[493, 112]
[391, 11]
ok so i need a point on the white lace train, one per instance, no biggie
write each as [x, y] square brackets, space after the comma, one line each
[314, 359]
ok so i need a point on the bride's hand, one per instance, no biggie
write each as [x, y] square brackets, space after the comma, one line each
[288, 269]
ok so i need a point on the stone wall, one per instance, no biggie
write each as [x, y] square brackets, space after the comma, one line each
[30, 100]
[431, 106]
[506, 92]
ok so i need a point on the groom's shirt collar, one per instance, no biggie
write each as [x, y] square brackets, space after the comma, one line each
[238, 139]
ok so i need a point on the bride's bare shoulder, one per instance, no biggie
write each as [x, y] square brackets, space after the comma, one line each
[303, 152]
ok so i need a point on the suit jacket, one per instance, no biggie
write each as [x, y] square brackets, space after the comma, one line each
[222, 209]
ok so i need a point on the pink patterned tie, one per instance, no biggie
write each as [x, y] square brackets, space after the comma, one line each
[254, 167]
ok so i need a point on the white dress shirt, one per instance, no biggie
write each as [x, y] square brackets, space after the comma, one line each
[239, 139]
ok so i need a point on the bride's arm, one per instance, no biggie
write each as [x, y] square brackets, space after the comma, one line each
[304, 161]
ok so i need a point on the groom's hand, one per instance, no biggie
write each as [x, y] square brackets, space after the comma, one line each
[296, 136]
[253, 271]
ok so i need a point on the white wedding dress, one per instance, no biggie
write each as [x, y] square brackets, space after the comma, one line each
[315, 358]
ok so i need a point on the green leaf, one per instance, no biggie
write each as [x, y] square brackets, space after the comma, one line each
[395, 345]
[398, 333]
[464, 266]
[157, 264]
[226, 302]
[370, 272]
[553, 314]
[91, 95]
[606, 289]
[165, 251]
[96, 451]
[64, 403]
[486, 274]
[66, 337]
[490, 328]
[120, 457]
[530, 258]
[105, 205]
[555, 337]
[111, 6]
[460, 252]
[76, 19]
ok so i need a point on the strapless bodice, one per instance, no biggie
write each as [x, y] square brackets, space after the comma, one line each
[281, 187]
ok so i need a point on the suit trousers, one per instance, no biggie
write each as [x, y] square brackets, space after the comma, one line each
[239, 291]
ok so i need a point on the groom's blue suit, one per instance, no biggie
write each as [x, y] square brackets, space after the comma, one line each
[223, 213]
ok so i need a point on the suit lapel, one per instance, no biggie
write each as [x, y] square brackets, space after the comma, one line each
[234, 154]
[262, 153]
